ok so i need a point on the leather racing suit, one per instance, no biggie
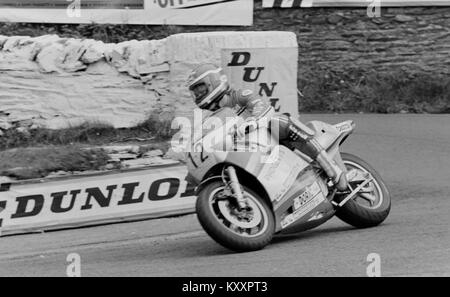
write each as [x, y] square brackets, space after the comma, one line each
[287, 130]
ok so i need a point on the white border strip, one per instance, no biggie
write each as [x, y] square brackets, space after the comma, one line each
[353, 3]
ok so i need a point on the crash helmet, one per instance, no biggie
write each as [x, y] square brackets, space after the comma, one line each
[207, 85]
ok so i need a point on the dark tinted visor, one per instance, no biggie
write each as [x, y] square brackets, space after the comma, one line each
[199, 91]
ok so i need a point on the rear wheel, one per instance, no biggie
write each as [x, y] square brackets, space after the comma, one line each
[371, 206]
[247, 230]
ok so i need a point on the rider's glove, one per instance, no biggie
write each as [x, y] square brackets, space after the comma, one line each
[248, 126]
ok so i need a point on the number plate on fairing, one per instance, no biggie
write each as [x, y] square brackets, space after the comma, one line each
[305, 203]
[309, 193]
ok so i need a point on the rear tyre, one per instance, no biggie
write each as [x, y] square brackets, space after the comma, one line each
[245, 231]
[368, 209]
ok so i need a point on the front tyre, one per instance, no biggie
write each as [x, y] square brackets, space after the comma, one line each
[242, 231]
[371, 206]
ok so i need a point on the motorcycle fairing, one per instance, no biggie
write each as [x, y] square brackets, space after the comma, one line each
[281, 172]
[331, 136]
[305, 204]
[287, 178]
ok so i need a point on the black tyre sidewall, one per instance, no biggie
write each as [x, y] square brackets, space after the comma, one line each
[221, 234]
[357, 215]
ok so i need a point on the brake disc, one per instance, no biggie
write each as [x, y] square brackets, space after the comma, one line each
[255, 220]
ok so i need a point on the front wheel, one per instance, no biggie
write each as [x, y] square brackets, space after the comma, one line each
[371, 206]
[242, 231]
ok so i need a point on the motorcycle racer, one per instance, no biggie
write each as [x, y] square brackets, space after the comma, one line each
[210, 90]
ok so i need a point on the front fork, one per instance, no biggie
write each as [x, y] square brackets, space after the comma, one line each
[235, 186]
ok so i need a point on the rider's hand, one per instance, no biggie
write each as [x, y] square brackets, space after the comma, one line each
[248, 126]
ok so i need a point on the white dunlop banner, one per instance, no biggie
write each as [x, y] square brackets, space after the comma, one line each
[271, 73]
[150, 12]
[351, 3]
[80, 201]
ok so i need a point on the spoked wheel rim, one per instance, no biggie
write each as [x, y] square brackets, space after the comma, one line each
[247, 223]
[370, 196]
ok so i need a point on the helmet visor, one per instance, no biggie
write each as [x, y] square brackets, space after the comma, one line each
[199, 92]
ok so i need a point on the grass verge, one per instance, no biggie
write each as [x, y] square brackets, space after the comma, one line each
[27, 154]
[368, 91]
[28, 163]
[156, 128]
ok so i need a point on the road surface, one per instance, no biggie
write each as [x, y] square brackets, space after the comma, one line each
[412, 152]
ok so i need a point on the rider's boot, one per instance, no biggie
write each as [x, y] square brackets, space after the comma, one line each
[304, 140]
[332, 170]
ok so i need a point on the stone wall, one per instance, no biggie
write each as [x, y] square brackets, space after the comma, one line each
[414, 39]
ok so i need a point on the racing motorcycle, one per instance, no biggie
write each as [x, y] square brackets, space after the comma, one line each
[251, 187]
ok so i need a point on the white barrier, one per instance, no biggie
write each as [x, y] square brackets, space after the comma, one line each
[96, 199]
[56, 82]
[270, 58]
